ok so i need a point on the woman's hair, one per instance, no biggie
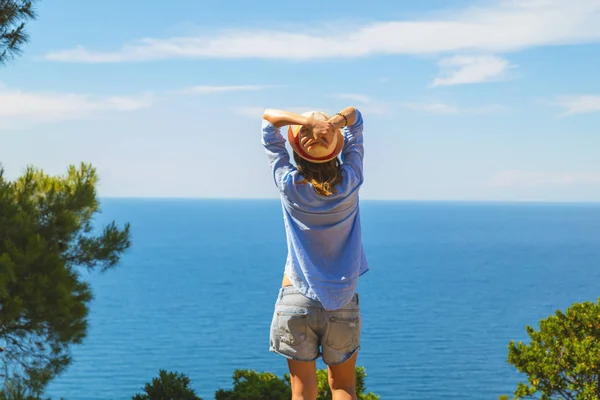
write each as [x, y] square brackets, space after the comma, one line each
[323, 176]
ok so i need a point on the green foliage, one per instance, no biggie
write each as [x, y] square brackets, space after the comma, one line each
[46, 234]
[252, 385]
[13, 14]
[324, 392]
[168, 386]
[16, 389]
[361, 374]
[562, 359]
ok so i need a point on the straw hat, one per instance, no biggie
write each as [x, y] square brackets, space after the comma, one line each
[317, 154]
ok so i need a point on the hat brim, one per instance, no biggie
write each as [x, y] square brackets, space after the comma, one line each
[295, 145]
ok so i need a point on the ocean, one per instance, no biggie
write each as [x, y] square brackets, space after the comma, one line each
[450, 285]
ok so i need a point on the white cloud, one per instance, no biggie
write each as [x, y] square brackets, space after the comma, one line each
[380, 108]
[463, 70]
[221, 89]
[361, 98]
[250, 112]
[493, 27]
[257, 112]
[518, 178]
[365, 103]
[451, 109]
[373, 107]
[583, 104]
[367, 106]
[19, 108]
[48, 106]
[435, 108]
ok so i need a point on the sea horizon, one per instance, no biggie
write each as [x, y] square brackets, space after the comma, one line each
[362, 200]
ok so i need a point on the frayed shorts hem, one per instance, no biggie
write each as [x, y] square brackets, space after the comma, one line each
[329, 364]
[272, 350]
[343, 360]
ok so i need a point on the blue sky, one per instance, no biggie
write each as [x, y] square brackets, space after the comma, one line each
[462, 100]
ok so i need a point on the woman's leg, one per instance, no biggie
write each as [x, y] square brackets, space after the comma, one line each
[292, 335]
[303, 377]
[340, 349]
[342, 379]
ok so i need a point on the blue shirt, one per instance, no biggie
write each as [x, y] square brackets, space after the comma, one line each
[325, 251]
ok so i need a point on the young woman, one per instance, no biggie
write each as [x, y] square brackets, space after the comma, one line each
[317, 312]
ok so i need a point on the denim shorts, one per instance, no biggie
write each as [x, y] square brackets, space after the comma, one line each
[302, 329]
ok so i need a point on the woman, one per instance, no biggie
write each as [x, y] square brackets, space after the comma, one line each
[317, 311]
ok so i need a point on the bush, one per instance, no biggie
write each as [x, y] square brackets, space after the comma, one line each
[168, 386]
[247, 385]
[562, 359]
[252, 385]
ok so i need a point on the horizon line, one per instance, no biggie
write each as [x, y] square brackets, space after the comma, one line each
[497, 201]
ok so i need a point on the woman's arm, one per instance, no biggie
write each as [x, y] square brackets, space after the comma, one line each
[319, 129]
[353, 150]
[339, 122]
[281, 118]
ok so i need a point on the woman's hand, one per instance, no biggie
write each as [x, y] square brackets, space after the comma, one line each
[321, 131]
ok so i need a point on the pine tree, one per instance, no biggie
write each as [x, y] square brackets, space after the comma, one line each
[13, 15]
[46, 238]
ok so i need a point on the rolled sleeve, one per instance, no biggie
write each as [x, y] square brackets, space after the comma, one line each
[279, 158]
[353, 150]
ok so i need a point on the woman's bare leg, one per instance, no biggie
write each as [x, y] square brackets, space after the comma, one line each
[342, 379]
[303, 377]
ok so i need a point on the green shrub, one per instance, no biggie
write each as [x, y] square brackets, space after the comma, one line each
[562, 359]
[168, 386]
[252, 385]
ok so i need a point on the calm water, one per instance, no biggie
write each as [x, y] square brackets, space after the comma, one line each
[450, 285]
